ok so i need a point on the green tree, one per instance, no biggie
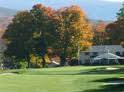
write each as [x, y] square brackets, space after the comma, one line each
[30, 33]
[18, 37]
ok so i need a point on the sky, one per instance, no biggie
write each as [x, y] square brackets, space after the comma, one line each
[113, 0]
[24, 4]
[97, 9]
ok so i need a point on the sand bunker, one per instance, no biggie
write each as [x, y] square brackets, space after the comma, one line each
[112, 68]
[118, 81]
[7, 74]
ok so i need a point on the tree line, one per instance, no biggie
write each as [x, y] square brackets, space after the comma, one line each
[112, 33]
[36, 35]
[32, 34]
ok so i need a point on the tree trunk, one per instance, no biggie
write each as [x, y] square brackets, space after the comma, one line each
[43, 62]
[28, 60]
[78, 55]
[63, 57]
[63, 60]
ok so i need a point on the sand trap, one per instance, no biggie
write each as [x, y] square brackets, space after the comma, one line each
[112, 68]
[114, 83]
[7, 74]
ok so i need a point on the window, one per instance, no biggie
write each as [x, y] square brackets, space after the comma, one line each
[87, 53]
[95, 53]
[123, 54]
[118, 53]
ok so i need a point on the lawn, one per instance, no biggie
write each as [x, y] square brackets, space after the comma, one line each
[63, 79]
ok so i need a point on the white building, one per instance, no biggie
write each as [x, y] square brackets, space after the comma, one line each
[94, 51]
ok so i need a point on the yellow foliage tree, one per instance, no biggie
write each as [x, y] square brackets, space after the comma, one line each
[74, 30]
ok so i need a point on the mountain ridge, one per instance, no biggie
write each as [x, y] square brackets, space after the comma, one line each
[5, 12]
[6, 16]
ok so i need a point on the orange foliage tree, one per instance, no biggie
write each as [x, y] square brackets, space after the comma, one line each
[115, 30]
[100, 35]
[74, 30]
[114, 33]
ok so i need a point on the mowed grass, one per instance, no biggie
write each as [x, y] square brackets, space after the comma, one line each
[63, 79]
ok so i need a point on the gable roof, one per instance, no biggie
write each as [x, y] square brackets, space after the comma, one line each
[108, 56]
[105, 48]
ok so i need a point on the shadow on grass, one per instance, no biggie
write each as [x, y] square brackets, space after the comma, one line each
[110, 79]
[107, 88]
[103, 71]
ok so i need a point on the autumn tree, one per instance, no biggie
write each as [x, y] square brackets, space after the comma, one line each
[114, 33]
[32, 32]
[120, 20]
[74, 30]
[100, 35]
[115, 30]
[42, 18]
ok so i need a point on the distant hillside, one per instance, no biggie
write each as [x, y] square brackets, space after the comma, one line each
[93, 21]
[6, 16]
[5, 12]
[4, 21]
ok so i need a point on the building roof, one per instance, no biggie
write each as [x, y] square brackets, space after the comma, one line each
[105, 48]
[108, 56]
